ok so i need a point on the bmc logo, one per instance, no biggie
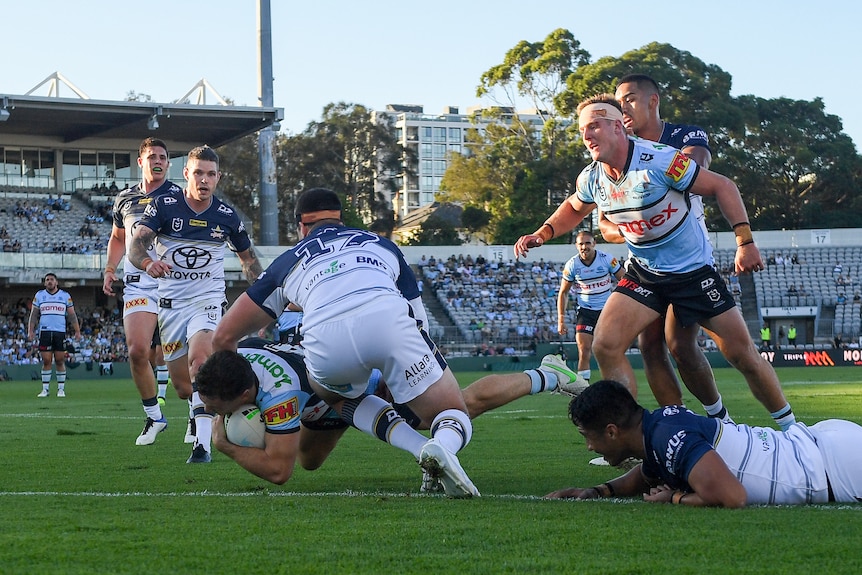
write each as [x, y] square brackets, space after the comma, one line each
[640, 227]
[678, 166]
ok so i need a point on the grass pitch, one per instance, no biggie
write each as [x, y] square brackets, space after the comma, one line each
[78, 496]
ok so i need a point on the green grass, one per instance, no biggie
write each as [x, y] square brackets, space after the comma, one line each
[77, 496]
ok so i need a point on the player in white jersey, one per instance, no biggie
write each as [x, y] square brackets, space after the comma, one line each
[690, 459]
[189, 231]
[590, 274]
[299, 425]
[140, 291]
[361, 310]
[643, 188]
[51, 307]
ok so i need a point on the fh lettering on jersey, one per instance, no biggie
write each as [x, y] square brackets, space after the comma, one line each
[678, 166]
[282, 413]
[640, 227]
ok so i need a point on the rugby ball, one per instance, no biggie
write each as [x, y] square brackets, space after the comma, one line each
[245, 427]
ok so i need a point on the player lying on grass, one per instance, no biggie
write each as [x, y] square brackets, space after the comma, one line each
[299, 425]
[694, 460]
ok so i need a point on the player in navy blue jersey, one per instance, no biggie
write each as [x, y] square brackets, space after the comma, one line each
[190, 230]
[643, 188]
[140, 291]
[693, 460]
[361, 310]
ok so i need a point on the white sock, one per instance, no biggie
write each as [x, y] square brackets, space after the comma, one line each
[162, 379]
[541, 380]
[203, 422]
[453, 429]
[152, 409]
[585, 373]
[377, 418]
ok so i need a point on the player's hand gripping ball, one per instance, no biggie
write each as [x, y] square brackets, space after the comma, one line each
[245, 427]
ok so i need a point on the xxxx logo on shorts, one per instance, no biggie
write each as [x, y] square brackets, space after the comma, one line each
[172, 346]
[135, 302]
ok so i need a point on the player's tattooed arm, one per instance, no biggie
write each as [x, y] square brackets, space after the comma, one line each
[143, 238]
[251, 267]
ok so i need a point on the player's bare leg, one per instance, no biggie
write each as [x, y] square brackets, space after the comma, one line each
[621, 320]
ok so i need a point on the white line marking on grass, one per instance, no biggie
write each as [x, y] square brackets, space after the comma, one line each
[351, 493]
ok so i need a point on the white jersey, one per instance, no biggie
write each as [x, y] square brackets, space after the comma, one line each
[52, 309]
[193, 244]
[651, 206]
[304, 275]
[592, 283]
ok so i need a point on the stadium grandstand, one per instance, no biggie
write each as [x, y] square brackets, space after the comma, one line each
[61, 162]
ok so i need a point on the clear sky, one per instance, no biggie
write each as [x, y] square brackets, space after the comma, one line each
[429, 53]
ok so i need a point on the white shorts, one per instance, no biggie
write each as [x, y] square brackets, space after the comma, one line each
[178, 323]
[340, 354]
[136, 299]
[838, 441]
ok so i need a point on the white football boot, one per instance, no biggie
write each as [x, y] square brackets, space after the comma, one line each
[439, 462]
[568, 381]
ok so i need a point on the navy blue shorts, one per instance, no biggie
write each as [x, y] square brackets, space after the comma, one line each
[697, 295]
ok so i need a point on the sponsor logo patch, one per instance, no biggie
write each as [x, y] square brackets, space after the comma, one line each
[172, 346]
[135, 302]
[678, 166]
[197, 223]
[282, 413]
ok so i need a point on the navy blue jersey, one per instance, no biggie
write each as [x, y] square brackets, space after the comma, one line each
[193, 244]
[370, 265]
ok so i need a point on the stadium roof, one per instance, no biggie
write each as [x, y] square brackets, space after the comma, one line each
[64, 123]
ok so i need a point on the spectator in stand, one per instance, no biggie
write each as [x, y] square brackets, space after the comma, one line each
[841, 298]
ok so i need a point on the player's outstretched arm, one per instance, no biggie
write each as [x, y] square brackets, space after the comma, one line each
[243, 318]
[632, 483]
[713, 483]
[274, 463]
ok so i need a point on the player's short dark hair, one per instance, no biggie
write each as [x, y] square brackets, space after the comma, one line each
[151, 143]
[316, 200]
[51, 274]
[225, 375]
[642, 80]
[604, 402]
[203, 153]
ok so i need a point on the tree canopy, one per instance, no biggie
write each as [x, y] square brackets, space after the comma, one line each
[794, 165]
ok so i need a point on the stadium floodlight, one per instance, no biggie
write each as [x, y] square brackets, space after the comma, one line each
[153, 122]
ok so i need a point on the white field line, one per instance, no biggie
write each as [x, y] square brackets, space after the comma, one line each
[348, 494]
